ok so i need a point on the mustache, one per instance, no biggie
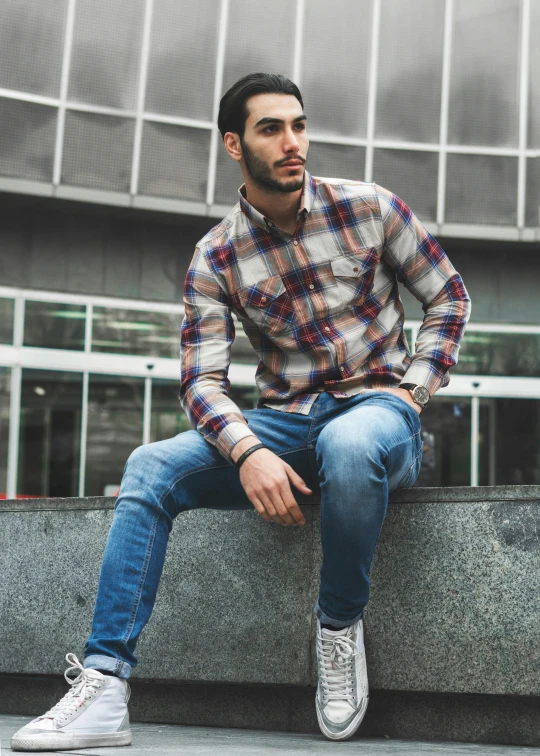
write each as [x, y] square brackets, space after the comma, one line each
[287, 160]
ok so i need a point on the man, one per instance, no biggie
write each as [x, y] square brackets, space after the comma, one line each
[310, 268]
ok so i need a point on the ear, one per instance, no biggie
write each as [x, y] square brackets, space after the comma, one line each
[232, 145]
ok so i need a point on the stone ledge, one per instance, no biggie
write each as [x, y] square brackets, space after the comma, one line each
[455, 603]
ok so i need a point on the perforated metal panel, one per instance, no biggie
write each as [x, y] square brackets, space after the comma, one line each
[534, 76]
[481, 189]
[228, 178]
[106, 51]
[335, 66]
[412, 176]
[336, 161]
[181, 69]
[410, 70]
[31, 45]
[532, 208]
[27, 136]
[484, 84]
[174, 162]
[97, 151]
[259, 38]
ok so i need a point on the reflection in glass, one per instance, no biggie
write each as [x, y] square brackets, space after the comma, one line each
[5, 393]
[54, 325]
[167, 416]
[509, 442]
[513, 354]
[152, 334]
[446, 433]
[49, 443]
[7, 307]
[115, 427]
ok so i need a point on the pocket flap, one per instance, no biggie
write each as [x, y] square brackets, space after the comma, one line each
[354, 265]
[262, 293]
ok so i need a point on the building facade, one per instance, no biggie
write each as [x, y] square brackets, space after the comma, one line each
[111, 169]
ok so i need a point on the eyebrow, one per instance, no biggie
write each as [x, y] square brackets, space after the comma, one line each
[268, 119]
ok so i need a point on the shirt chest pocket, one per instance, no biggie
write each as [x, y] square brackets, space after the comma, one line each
[354, 274]
[268, 305]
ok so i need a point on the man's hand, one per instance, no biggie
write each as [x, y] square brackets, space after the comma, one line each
[267, 479]
[404, 394]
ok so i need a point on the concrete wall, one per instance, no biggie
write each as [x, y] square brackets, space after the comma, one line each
[89, 249]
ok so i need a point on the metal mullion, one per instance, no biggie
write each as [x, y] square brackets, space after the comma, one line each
[190, 123]
[298, 42]
[475, 439]
[218, 84]
[523, 112]
[445, 96]
[141, 95]
[84, 107]
[147, 410]
[84, 433]
[372, 91]
[14, 94]
[64, 83]
[14, 431]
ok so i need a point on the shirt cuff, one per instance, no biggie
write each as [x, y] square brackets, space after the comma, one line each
[230, 436]
[422, 373]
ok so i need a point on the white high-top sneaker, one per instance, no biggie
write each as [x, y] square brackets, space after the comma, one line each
[92, 714]
[342, 690]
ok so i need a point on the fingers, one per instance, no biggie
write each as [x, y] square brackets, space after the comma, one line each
[297, 481]
[272, 510]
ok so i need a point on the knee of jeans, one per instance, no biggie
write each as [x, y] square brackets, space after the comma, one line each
[342, 449]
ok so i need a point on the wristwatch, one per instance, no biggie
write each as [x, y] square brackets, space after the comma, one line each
[419, 394]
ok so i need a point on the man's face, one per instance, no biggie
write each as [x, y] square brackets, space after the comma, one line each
[275, 142]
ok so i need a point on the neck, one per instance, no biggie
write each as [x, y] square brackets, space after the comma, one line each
[279, 207]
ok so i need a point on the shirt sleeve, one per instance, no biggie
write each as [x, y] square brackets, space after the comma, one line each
[423, 267]
[205, 349]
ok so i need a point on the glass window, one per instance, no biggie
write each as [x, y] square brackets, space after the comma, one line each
[7, 307]
[49, 442]
[152, 334]
[335, 85]
[534, 76]
[54, 325]
[104, 66]
[98, 151]
[5, 393]
[115, 428]
[509, 442]
[336, 161]
[31, 45]
[409, 83]
[484, 91]
[532, 197]
[412, 175]
[27, 139]
[512, 354]
[481, 189]
[446, 433]
[167, 416]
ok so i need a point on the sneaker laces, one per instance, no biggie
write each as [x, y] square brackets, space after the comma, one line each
[83, 687]
[336, 669]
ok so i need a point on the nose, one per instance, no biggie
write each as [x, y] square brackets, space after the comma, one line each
[290, 141]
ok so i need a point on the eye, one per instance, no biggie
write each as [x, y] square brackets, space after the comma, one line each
[269, 129]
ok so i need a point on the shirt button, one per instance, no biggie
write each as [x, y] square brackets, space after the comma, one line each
[270, 223]
[295, 242]
[355, 270]
[263, 299]
[311, 286]
[326, 328]
[342, 368]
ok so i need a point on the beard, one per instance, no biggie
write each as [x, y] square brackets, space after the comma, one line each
[261, 174]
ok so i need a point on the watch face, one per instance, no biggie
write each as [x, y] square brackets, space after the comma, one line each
[421, 395]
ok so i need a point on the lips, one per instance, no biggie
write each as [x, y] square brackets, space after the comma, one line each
[292, 164]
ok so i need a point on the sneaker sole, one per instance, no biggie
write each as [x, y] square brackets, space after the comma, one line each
[350, 730]
[58, 741]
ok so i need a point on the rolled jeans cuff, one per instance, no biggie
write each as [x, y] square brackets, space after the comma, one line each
[324, 619]
[108, 664]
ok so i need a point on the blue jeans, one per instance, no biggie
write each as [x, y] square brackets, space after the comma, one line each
[353, 451]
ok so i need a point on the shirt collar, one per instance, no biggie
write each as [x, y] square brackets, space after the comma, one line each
[306, 202]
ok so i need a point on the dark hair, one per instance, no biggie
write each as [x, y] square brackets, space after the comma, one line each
[232, 108]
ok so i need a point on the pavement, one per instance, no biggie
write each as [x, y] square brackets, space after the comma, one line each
[205, 741]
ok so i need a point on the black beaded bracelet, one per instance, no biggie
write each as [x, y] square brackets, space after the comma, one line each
[242, 458]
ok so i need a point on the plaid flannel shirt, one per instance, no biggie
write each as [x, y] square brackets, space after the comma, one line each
[321, 307]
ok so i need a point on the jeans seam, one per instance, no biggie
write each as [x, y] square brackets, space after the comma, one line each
[137, 602]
